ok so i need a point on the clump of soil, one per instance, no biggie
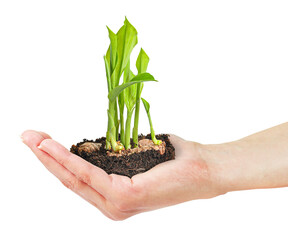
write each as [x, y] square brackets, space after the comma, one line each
[128, 162]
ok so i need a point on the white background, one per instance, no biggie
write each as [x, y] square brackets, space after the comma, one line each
[222, 71]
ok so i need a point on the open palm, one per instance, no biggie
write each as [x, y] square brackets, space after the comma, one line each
[119, 197]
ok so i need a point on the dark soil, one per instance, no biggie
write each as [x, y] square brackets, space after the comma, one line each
[127, 165]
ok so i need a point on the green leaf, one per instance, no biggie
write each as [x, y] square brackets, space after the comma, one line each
[130, 92]
[142, 77]
[121, 101]
[142, 61]
[111, 55]
[126, 41]
[107, 56]
[147, 108]
[107, 74]
[141, 65]
[146, 105]
[113, 50]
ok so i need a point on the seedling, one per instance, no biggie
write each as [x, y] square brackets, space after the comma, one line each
[118, 153]
[117, 63]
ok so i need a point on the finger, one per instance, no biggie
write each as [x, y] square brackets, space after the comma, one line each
[83, 170]
[28, 132]
[32, 139]
[44, 135]
[122, 199]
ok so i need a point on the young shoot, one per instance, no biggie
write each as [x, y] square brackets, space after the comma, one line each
[141, 64]
[129, 100]
[147, 108]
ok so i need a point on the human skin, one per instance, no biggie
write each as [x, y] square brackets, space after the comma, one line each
[199, 171]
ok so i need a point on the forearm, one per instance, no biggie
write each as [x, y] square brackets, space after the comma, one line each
[256, 161]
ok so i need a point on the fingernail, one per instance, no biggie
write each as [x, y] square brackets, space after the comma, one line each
[40, 147]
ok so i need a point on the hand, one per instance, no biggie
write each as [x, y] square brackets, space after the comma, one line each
[186, 178]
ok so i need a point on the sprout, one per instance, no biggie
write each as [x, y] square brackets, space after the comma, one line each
[141, 64]
[117, 63]
[147, 108]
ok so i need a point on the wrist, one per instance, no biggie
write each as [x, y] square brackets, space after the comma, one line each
[220, 159]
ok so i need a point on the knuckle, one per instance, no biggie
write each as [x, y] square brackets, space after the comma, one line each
[71, 183]
[65, 159]
[84, 177]
[45, 141]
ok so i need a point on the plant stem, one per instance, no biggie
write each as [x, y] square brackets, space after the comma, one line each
[153, 137]
[108, 145]
[127, 129]
[111, 110]
[115, 146]
[116, 121]
[109, 127]
[136, 117]
[147, 108]
[122, 130]
[111, 131]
